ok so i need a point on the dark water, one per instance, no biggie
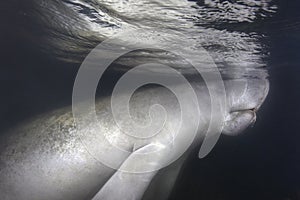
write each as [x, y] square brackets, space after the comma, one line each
[40, 61]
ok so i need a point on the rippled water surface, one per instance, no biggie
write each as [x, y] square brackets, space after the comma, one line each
[72, 28]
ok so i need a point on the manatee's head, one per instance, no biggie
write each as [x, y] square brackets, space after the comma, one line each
[244, 98]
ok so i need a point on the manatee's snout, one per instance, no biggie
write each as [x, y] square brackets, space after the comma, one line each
[244, 98]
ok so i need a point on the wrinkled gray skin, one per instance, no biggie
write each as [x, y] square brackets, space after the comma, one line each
[44, 158]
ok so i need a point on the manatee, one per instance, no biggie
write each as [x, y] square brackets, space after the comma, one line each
[47, 157]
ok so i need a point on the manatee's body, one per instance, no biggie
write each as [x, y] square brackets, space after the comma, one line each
[45, 158]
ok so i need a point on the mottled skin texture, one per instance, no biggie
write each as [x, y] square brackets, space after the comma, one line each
[44, 158]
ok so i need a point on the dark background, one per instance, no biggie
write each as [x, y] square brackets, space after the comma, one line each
[263, 163]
